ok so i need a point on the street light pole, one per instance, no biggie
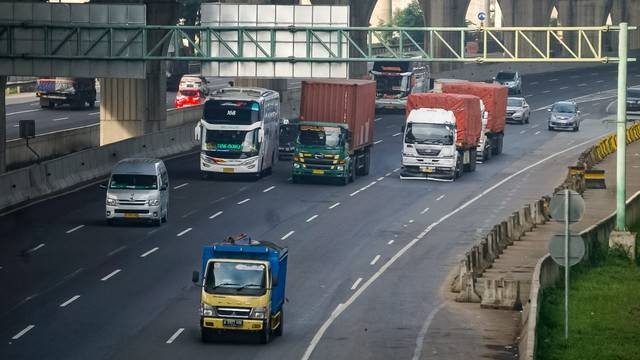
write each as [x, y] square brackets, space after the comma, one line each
[621, 125]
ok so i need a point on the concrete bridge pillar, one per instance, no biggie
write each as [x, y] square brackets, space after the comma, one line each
[444, 13]
[583, 13]
[627, 11]
[526, 13]
[3, 125]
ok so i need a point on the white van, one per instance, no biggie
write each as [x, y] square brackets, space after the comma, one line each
[138, 188]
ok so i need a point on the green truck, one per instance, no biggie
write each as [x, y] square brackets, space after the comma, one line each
[335, 130]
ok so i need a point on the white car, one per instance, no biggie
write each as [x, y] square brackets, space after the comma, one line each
[518, 110]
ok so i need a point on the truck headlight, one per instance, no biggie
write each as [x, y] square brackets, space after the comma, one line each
[153, 202]
[112, 202]
[296, 165]
[340, 167]
[446, 152]
[259, 313]
[207, 310]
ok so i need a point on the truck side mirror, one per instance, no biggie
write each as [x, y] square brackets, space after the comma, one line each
[274, 281]
[195, 277]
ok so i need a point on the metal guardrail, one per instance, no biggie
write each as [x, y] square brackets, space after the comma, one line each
[321, 44]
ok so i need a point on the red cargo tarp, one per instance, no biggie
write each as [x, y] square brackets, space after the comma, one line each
[466, 109]
[493, 96]
[351, 102]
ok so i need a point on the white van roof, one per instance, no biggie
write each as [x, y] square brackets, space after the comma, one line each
[137, 166]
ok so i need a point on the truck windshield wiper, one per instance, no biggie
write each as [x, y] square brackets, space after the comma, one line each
[247, 285]
[223, 284]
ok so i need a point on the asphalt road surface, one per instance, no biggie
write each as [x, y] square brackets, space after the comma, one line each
[364, 274]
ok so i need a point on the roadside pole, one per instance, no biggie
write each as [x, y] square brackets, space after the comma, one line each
[567, 194]
[621, 124]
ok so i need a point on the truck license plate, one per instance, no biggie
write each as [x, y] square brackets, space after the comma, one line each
[318, 172]
[130, 215]
[231, 323]
[227, 170]
[427, 169]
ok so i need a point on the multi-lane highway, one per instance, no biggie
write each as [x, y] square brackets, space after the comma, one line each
[366, 260]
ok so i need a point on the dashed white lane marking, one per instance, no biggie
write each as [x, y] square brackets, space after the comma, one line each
[149, 252]
[440, 197]
[243, 201]
[595, 74]
[332, 318]
[355, 284]
[110, 275]
[411, 221]
[523, 131]
[287, 235]
[184, 232]
[535, 126]
[380, 178]
[378, 119]
[599, 81]
[35, 248]
[75, 228]
[546, 91]
[180, 186]
[215, 215]
[113, 252]
[377, 142]
[22, 332]
[175, 335]
[60, 119]
[354, 193]
[23, 112]
[16, 125]
[289, 178]
[564, 88]
[552, 80]
[74, 298]
[586, 114]
[390, 242]
[312, 218]
[537, 132]
[596, 104]
[387, 174]
[397, 134]
[396, 169]
[268, 189]
[583, 84]
[334, 205]
[94, 113]
[533, 83]
[375, 260]
[424, 211]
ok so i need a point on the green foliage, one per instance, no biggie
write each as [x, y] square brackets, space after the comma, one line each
[411, 16]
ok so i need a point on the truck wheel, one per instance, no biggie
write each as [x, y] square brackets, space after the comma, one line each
[367, 163]
[92, 104]
[296, 179]
[354, 168]
[206, 335]
[458, 171]
[44, 103]
[204, 175]
[265, 334]
[488, 151]
[278, 331]
[500, 142]
[473, 157]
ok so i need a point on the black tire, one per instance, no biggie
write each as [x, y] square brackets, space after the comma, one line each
[458, 171]
[549, 128]
[204, 175]
[166, 216]
[206, 335]
[279, 330]
[158, 221]
[296, 179]
[487, 154]
[354, 168]
[495, 145]
[527, 119]
[471, 166]
[367, 163]
[265, 334]
[92, 104]
[110, 222]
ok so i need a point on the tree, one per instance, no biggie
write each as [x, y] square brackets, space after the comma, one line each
[411, 16]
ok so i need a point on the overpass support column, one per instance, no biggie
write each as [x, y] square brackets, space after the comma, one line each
[444, 13]
[526, 13]
[627, 11]
[3, 125]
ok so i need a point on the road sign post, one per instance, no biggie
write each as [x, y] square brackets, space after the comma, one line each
[621, 126]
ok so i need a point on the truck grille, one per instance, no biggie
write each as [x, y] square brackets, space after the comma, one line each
[234, 312]
[428, 152]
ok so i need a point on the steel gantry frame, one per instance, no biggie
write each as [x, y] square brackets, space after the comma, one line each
[320, 44]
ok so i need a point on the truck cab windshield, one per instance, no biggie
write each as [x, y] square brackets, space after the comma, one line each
[389, 84]
[320, 136]
[235, 278]
[232, 144]
[440, 134]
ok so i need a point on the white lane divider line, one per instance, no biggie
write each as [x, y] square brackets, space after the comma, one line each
[440, 197]
[268, 189]
[537, 132]
[22, 332]
[586, 114]
[113, 252]
[23, 112]
[527, 96]
[243, 201]
[175, 335]
[583, 84]
[546, 91]
[533, 83]
[180, 186]
[552, 80]
[110, 275]
[397, 134]
[60, 119]
[378, 119]
[601, 81]
[375, 260]
[332, 318]
[354, 193]
[564, 88]
[75, 228]
[387, 174]
[94, 113]
[74, 298]
[377, 142]
[396, 169]
[355, 284]
[411, 221]
[391, 242]
[535, 126]
[287, 235]
[523, 131]
[380, 178]
[312, 218]
[334, 205]
[424, 211]
[215, 215]
[149, 252]
[35, 248]
[595, 74]
[16, 125]
[184, 232]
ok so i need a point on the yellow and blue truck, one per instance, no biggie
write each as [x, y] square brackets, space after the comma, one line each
[243, 288]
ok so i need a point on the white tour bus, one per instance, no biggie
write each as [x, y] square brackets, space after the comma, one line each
[239, 131]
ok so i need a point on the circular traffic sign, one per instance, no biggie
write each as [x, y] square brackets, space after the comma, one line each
[557, 206]
[576, 249]
[482, 16]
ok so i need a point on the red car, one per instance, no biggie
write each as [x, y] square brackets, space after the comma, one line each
[191, 91]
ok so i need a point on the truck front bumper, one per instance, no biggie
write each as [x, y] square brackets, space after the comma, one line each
[237, 324]
[425, 168]
[302, 171]
[391, 104]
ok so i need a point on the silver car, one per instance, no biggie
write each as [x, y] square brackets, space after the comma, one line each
[138, 188]
[518, 110]
[564, 115]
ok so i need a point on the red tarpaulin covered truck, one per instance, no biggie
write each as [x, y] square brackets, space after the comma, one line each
[494, 98]
[441, 134]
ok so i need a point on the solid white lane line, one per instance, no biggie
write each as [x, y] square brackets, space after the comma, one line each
[110, 275]
[523, 131]
[60, 119]
[94, 113]
[354, 193]
[390, 242]
[375, 260]
[117, 250]
[268, 189]
[22, 332]
[243, 201]
[75, 228]
[175, 335]
[23, 112]
[215, 215]
[184, 232]
[417, 354]
[332, 318]
[377, 142]
[380, 178]
[334, 205]
[312, 218]
[424, 211]
[440, 197]
[355, 284]
[149, 252]
[180, 186]
[287, 235]
[64, 304]
[378, 119]
[397, 134]
[537, 132]
[35, 248]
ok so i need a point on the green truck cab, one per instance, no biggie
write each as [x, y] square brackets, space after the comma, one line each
[243, 288]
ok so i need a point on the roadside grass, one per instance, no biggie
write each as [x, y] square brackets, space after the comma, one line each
[604, 313]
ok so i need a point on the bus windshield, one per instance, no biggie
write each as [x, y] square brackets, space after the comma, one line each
[231, 112]
[232, 144]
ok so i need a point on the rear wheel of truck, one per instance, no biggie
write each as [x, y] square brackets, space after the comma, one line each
[488, 151]
[471, 166]
[278, 331]
[458, 170]
[500, 141]
[367, 163]
[296, 179]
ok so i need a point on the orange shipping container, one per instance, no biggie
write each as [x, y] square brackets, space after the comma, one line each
[493, 96]
[351, 102]
[466, 109]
